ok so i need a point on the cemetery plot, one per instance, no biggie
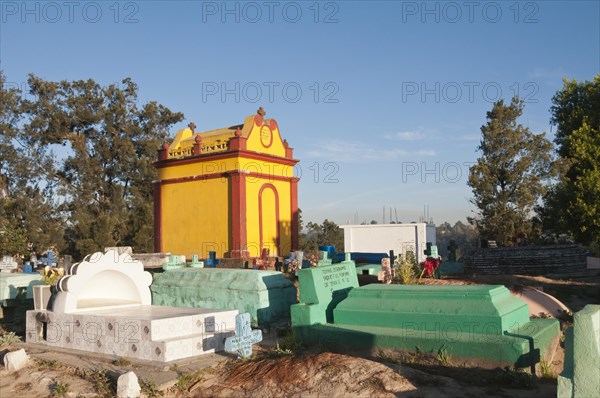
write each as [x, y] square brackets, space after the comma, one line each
[103, 306]
[471, 321]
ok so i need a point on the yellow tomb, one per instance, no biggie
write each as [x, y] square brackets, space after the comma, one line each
[230, 190]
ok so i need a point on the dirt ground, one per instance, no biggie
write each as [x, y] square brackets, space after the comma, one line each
[311, 372]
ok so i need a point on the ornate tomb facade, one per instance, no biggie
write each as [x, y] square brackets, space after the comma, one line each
[230, 190]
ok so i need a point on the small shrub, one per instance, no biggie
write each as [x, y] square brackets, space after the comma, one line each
[407, 269]
[290, 343]
[47, 363]
[386, 357]
[546, 370]
[121, 362]
[60, 390]
[9, 338]
[184, 380]
[149, 389]
[101, 382]
[443, 356]
[278, 352]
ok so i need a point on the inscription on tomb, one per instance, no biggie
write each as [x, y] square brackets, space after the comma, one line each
[335, 276]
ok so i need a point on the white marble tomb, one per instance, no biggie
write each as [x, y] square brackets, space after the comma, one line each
[103, 305]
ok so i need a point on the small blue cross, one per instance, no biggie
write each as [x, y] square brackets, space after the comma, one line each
[49, 259]
[244, 337]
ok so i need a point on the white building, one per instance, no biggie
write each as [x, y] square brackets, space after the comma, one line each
[381, 238]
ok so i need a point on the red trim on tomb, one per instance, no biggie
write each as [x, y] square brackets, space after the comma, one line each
[294, 209]
[197, 145]
[156, 186]
[270, 135]
[226, 155]
[238, 142]
[226, 174]
[238, 214]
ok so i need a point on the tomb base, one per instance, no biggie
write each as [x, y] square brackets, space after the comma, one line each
[266, 295]
[511, 349]
[144, 332]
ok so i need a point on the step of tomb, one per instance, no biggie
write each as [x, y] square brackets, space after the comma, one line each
[519, 346]
[187, 346]
[154, 323]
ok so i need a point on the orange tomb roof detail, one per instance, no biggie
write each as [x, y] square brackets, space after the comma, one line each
[256, 134]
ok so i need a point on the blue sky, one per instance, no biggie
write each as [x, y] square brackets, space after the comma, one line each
[381, 100]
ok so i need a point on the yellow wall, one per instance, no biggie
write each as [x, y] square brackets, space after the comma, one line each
[255, 143]
[195, 217]
[253, 186]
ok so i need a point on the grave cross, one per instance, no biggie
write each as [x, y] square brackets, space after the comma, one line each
[49, 259]
[195, 263]
[244, 337]
[173, 263]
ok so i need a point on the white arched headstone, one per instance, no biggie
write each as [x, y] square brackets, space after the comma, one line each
[103, 280]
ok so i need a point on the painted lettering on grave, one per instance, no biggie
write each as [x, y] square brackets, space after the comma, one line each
[335, 276]
[244, 337]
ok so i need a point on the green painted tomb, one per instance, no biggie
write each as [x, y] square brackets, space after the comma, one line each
[18, 283]
[581, 374]
[368, 269]
[483, 322]
[266, 295]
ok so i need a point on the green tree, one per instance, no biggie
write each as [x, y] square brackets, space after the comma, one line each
[463, 235]
[328, 233]
[573, 205]
[106, 178]
[13, 241]
[28, 213]
[99, 189]
[509, 176]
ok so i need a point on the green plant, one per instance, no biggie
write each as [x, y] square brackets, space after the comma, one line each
[386, 357]
[101, 383]
[443, 356]
[47, 363]
[184, 380]
[121, 362]
[290, 343]
[278, 352]
[60, 390]
[149, 389]
[9, 338]
[546, 370]
[407, 269]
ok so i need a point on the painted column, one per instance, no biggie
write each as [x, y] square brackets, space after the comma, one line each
[156, 186]
[294, 208]
[238, 214]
